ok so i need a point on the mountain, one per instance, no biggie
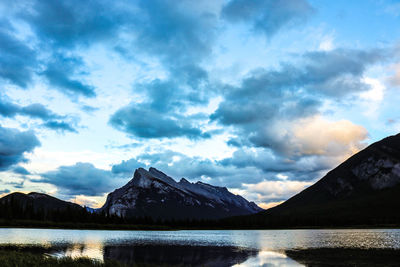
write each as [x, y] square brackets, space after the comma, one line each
[37, 201]
[39, 207]
[363, 190]
[154, 194]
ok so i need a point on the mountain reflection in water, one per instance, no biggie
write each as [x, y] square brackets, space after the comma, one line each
[179, 255]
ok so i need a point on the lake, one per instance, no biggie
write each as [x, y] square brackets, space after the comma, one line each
[199, 247]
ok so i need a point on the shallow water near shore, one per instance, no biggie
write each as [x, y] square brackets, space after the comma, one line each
[199, 247]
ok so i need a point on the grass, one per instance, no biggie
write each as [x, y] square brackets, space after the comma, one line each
[20, 258]
[35, 256]
[38, 256]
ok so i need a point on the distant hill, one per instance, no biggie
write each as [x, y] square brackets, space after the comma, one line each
[154, 194]
[363, 190]
[37, 201]
[38, 206]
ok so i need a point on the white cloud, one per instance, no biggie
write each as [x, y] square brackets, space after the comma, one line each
[268, 205]
[276, 189]
[327, 43]
[376, 93]
[316, 135]
[93, 202]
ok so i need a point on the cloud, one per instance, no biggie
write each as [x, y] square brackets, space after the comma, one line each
[13, 146]
[85, 201]
[179, 165]
[395, 79]
[263, 109]
[126, 166]
[162, 114]
[80, 179]
[178, 35]
[274, 190]
[269, 205]
[9, 109]
[335, 138]
[59, 72]
[20, 170]
[268, 16]
[296, 91]
[143, 121]
[36, 111]
[20, 62]
[89, 109]
[72, 23]
[60, 28]
[18, 185]
[4, 191]
[17, 60]
[298, 138]
[61, 126]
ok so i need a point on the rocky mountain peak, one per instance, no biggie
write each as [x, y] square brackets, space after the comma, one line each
[184, 181]
[153, 193]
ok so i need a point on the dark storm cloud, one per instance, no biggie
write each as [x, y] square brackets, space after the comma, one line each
[13, 145]
[268, 16]
[17, 60]
[80, 179]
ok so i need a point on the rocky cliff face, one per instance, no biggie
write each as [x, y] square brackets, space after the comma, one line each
[153, 193]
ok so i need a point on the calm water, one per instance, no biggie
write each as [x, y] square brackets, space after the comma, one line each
[208, 247]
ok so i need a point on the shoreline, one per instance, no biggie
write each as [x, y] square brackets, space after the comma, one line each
[128, 227]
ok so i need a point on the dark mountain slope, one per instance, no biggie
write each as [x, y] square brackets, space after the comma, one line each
[37, 201]
[363, 190]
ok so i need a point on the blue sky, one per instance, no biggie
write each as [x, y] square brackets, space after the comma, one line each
[263, 97]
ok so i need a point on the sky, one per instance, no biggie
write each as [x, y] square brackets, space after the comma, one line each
[263, 97]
